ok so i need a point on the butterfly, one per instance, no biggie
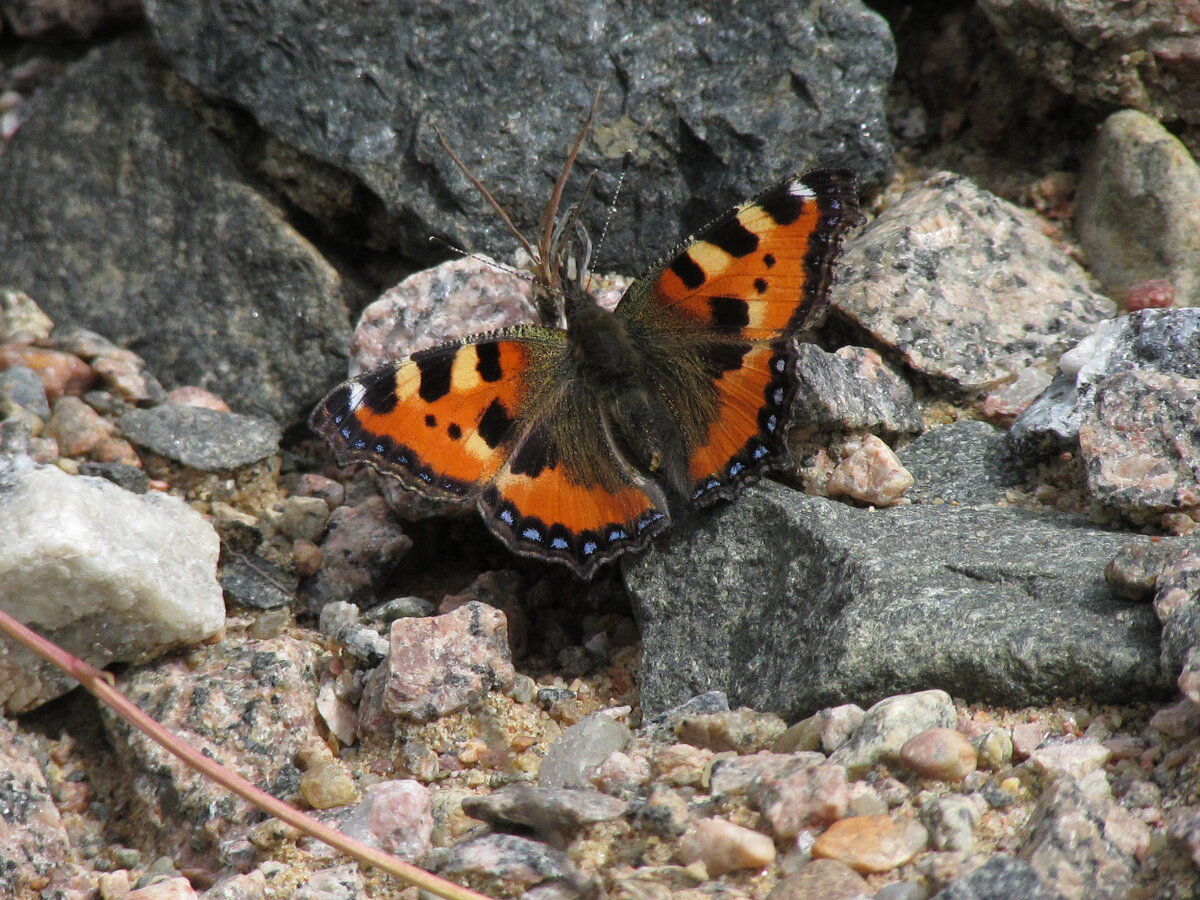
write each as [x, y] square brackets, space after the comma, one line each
[574, 442]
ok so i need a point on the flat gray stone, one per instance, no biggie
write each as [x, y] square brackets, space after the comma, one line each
[790, 603]
[966, 462]
[714, 106]
[205, 439]
[122, 213]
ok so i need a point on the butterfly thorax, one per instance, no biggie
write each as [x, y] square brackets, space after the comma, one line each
[609, 363]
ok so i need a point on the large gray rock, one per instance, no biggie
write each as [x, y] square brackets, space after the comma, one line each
[1136, 212]
[1140, 55]
[1166, 341]
[714, 105]
[121, 213]
[964, 287]
[789, 603]
[106, 574]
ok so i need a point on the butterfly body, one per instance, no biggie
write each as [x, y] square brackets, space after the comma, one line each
[571, 441]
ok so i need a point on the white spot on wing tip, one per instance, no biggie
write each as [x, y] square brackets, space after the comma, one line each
[357, 392]
[799, 189]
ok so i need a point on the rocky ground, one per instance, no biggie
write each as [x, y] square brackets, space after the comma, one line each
[949, 653]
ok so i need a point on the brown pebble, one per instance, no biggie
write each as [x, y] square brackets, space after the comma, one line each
[725, 847]
[941, 753]
[116, 450]
[1026, 737]
[871, 843]
[822, 879]
[307, 556]
[61, 373]
[76, 426]
[327, 785]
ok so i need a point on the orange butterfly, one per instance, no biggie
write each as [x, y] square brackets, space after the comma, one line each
[570, 441]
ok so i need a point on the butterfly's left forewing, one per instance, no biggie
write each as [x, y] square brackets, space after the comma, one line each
[499, 420]
[715, 322]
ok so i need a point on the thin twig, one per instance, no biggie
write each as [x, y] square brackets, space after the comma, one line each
[100, 683]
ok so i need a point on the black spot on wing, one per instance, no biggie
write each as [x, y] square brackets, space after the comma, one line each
[721, 357]
[538, 452]
[487, 355]
[431, 421]
[379, 390]
[760, 285]
[733, 237]
[688, 271]
[729, 313]
[782, 205]
[435, 370]
[454, 431]
[769, 260]
[494, 424]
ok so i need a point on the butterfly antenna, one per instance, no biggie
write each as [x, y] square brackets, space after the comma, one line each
[488, 261]
[626, 162]
[521, 239]
[547, 228]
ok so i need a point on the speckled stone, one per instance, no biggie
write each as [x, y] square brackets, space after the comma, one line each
[741, 730]
[201, 438]
[585, 745]
[1072, 758]
[821, 879]
[871, 843]
[362, 546]
[328, 785]
[724, 847]
[550, 812]
[1000, 878]
[1137, 444]
[21, 386]
[952, 821]
[504, 864]
[437, 665]
[921, 280]
[941, 753]
[395, 816]
[1081, 842]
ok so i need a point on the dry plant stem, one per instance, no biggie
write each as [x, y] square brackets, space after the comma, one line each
[100, 684]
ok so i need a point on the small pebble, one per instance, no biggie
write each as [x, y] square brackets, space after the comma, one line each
[871, 843]
[825, 730]
[310, 484]
[61, 373]
[725, 847]
[20, 385]
[941, 753]
[395, 816]
[741, 730]
[328, 785]
[76, 426]
[304, 518]
[1074, 759]
[172, 889]
[951, 821]
[620, 774]
[190, 395]
[822, 879]
[993, 748]
[1026, 737]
